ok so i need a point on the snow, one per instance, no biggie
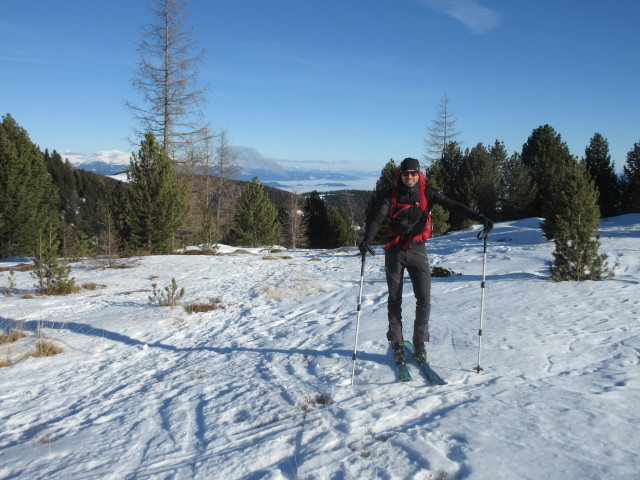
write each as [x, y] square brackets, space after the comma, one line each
[261, 388]
[105, 162]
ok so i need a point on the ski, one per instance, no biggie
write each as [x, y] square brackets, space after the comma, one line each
[402, 371]
[429, 374]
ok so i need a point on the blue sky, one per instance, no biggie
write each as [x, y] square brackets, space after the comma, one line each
[337, 84]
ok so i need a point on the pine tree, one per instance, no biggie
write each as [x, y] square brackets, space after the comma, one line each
[210, 234]
[446, 174]
[316, 221]
[577, 219]
[519, 190]
[156, 197]
[255, 223]
[552, 225]
[51, 273]
[498, 152]
[81, 195]
[439, 215]
[341, 231]
[28, 198]
[631, 181]
[480, 180]
[547, 157]
[62, 175]
[602, 171]
[81, 247]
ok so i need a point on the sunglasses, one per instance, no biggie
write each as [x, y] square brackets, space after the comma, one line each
[413, 173]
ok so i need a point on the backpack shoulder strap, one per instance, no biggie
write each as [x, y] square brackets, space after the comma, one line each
[423, 194]
[394, 190]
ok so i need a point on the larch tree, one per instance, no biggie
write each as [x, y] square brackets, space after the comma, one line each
[442, 131]
[293, 231]
[167, 80]
[225, 169]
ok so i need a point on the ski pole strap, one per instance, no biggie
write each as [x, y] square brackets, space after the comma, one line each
[482, 235]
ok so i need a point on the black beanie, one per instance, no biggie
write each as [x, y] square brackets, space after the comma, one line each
[410, 164]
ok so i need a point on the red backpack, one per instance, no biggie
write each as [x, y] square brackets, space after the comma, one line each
[396, 208]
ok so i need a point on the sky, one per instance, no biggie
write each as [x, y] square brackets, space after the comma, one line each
[337, 84]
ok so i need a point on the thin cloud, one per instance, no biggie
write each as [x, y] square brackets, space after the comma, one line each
[34, 61]
[278, 52]
[251, 158]
[475, 17]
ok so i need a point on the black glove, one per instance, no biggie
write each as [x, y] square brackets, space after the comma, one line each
[487, 223]
[364, 247]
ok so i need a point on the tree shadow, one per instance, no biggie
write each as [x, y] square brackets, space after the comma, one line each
[84, 329]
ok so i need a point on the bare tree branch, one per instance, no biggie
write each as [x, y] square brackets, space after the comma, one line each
[167, 80]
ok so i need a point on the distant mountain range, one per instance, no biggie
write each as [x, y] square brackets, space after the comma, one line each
[114, 162]
[105, 162]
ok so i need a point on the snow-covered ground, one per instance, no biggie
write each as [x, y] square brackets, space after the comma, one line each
[261, 387]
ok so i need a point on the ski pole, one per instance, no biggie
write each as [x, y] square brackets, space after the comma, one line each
[355, 347]
[482, 236]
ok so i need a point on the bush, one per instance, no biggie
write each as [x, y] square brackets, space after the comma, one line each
[213, 304]
[12, 336]
[11, 287]
[51, 273]
[171, 296]
[46, 348]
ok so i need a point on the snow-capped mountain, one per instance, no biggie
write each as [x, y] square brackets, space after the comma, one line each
[104, 162]
[252, 164]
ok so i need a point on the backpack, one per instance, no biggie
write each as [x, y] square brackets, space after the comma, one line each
[397, 208]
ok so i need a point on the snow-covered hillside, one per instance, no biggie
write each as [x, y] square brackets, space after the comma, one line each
[261, 388]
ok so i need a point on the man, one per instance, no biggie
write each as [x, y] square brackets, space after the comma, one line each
[408, 203]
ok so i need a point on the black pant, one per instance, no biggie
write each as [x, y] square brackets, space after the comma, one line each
[415, 261]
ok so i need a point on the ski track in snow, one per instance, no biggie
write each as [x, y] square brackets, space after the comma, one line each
[261, 388]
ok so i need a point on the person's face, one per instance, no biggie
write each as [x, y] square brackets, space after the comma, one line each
[409, 178]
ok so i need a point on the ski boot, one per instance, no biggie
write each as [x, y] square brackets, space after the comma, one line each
[420, 354]
[398, 353]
